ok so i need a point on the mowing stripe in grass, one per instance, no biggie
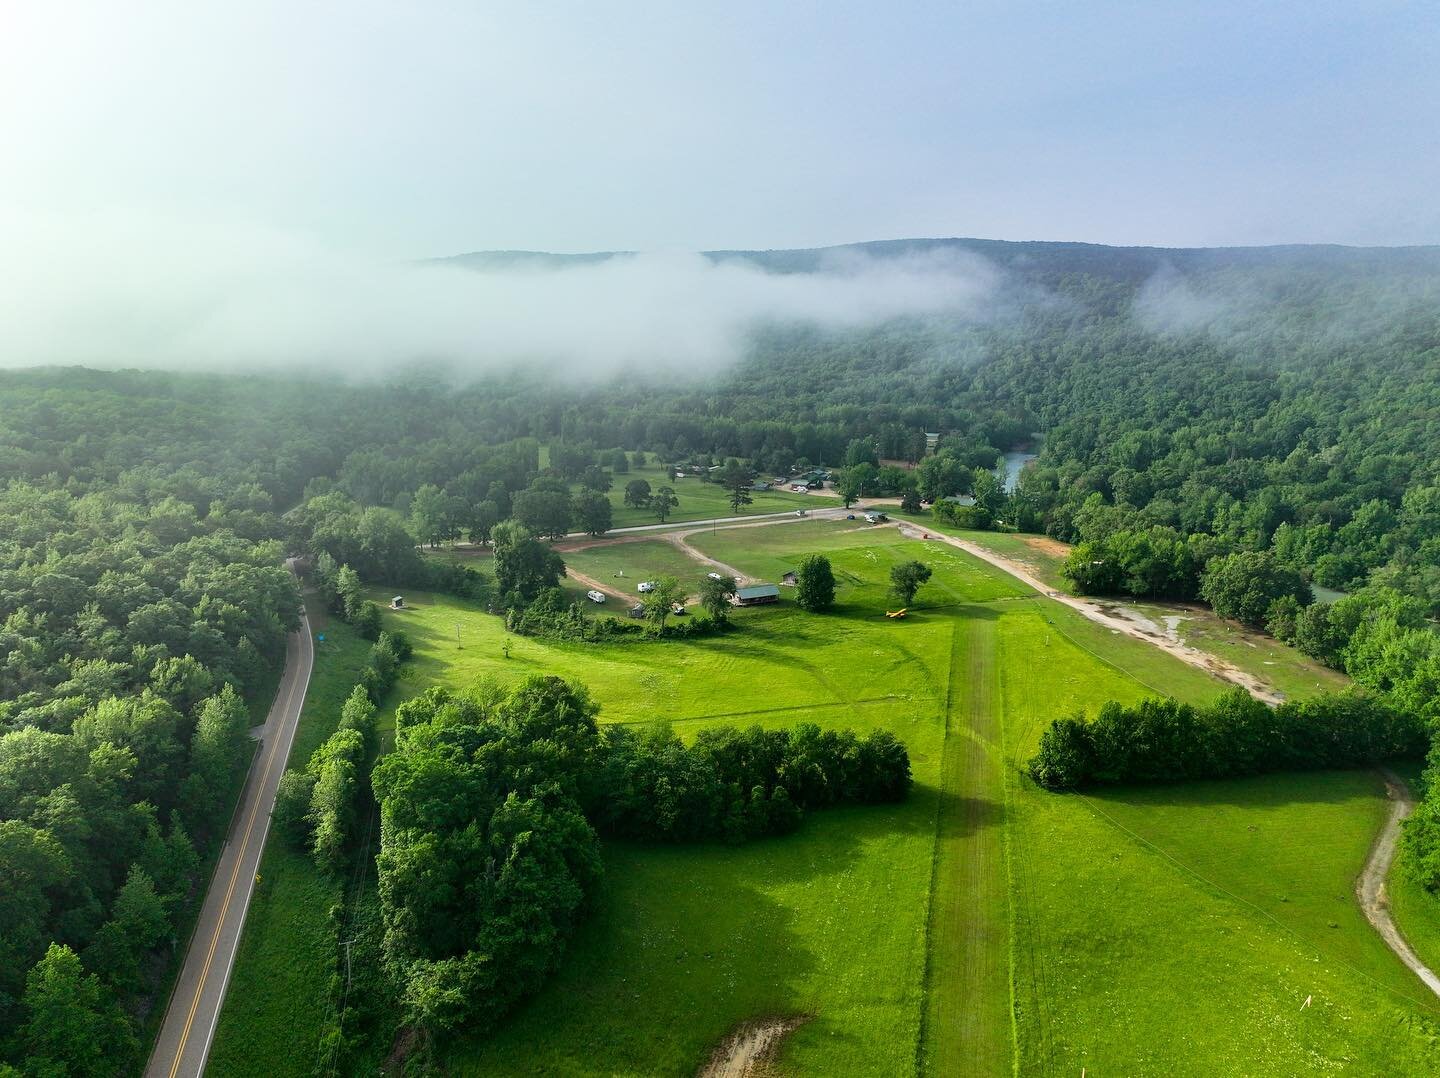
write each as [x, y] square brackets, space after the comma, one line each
[965, 1021]
[887, 698]
[1421, 999]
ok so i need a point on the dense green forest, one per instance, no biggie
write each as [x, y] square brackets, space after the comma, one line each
[1240, 426]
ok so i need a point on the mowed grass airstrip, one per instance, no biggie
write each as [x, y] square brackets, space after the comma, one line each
[983, 926]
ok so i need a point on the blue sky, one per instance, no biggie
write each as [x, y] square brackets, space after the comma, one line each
[404, 130]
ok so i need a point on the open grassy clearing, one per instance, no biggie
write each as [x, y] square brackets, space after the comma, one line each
[861, 556]
[702, 501]
[1179, 930]
[982, 925]
[279, 990]
[1290, 671]
[625, 565]
[690, 941]
[1298, 844]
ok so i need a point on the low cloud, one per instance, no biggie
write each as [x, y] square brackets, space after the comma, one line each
[1271, 304]
[1168, 303]
[138, 291]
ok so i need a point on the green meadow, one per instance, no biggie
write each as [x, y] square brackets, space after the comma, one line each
[703, 501]
[1290, 671]
[981, 927]
[624, 566]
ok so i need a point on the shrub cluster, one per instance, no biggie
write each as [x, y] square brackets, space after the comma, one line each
[1166, 741]
[379, 675]
[318, 807]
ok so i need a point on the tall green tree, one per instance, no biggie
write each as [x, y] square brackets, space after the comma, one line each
[139, 919]
[637, 493]
[862, 451]
[430, 515]
[544, 511]
[216, 752]
[715, 596]
[814, 583]
[905, 580]
[596, 478]
[662, 502]
[592, 512]
[1243, 586]
[660, 599]
[524, 566]
[72, 1026]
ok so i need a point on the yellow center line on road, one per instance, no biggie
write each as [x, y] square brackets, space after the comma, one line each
[234, 877]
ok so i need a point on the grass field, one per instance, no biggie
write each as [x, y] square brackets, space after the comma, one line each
[702, 501]
[625, 565]
[982, 927]
[279, 992]
[1290, 671]
[1204, 914]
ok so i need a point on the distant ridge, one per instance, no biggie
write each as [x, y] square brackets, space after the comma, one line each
[1041, 258]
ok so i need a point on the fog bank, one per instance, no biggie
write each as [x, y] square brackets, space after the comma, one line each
[197, 295]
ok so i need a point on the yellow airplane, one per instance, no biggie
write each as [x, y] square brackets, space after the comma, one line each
[897, 613]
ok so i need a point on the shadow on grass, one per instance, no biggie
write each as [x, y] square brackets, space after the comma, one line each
[962, 816]
[686, 941]
[1277, 789]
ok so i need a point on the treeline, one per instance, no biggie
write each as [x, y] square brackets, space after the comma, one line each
[734, 785]
[1163, 740]
[492, 802]
[351, 544]
[319, 808]
[102, 830]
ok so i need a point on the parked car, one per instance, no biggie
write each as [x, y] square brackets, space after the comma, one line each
[677, 608]
[849, 516]
[595, 596]
[802, 512]
[646, 585]
[715, 576]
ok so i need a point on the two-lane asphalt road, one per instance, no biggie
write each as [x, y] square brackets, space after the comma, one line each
[184, 1040]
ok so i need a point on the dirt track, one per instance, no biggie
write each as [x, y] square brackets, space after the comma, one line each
[746, 1052]
[1370, 887]
[1117, 617]
[608, 589]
